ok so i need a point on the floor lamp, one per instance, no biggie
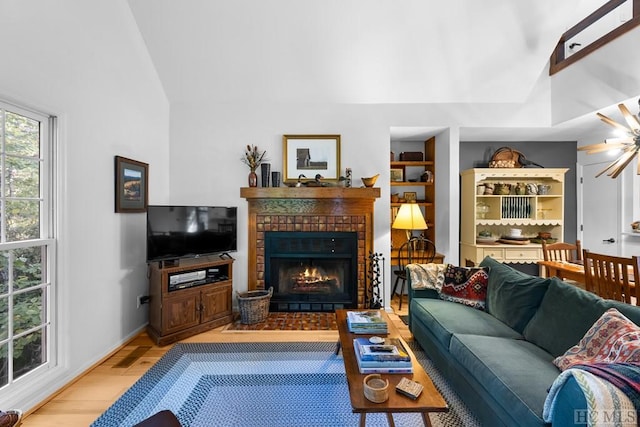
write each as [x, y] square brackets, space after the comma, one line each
[409, 218]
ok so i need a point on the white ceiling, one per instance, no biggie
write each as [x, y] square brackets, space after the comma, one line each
[356, 51]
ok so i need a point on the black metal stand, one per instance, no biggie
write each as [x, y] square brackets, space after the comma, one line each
[375, 281]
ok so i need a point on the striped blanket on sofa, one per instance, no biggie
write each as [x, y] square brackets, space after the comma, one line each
[609, 388]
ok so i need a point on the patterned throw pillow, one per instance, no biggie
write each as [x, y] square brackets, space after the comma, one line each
[613, 338]
[465, 285]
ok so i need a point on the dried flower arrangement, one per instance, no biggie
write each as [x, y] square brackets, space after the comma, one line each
[253, 157]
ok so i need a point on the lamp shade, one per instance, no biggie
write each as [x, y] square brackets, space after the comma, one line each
[409, 217]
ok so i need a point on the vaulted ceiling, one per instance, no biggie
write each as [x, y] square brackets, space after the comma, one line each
[353, 51]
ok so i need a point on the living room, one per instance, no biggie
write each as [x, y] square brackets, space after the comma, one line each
[113, 75]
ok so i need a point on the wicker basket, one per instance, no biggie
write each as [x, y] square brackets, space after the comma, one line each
[254, 306]
[505, 157]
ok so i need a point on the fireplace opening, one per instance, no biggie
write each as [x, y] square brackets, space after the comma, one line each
[311, 271]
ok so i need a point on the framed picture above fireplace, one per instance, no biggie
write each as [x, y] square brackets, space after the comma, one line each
[311, 155]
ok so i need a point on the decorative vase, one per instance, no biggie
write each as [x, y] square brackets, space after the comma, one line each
[253, 179]
[265, 168]
[275, 179]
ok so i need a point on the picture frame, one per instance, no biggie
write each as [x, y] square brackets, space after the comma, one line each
[396, 175]
[311, 155]
[410, 196]
[131, 185]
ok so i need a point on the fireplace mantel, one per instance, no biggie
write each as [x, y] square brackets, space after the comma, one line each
[308, 209]
[309, 193]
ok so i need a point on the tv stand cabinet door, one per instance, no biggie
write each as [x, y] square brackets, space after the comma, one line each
[216, 302]
[180, 311]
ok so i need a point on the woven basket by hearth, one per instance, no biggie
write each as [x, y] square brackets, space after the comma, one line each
[254, 306]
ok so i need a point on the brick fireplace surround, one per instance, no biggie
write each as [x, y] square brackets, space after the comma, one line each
[309, 209]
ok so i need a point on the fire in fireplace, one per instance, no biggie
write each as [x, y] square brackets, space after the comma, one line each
[311, 271]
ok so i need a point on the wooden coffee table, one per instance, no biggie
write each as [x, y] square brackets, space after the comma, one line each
[430, 400]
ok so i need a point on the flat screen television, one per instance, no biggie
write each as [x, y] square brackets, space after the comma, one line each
[190, 231]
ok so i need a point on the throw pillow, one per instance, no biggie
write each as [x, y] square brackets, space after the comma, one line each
[426, 276]
[612, 339]
[465, 285]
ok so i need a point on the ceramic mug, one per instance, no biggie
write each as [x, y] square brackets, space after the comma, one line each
[543, 188]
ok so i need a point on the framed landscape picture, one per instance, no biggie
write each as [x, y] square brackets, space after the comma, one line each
[132, 188]
[311, 155]
[397, 174]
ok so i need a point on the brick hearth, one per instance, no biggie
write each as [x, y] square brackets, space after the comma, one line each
[309, 209]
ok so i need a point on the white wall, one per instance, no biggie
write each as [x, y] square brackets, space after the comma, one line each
[86, 63]
[603, 78]
[208, 140]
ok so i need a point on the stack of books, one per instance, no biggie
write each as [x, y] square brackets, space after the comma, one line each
[389, 357]
[366, 322]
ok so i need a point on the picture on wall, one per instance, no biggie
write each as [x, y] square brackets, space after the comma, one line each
[397, 174]
[311, 155]
[131, 185]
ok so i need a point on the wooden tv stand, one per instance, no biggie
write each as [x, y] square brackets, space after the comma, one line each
[189, 296]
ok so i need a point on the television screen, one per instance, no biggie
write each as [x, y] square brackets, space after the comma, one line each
[190, 231]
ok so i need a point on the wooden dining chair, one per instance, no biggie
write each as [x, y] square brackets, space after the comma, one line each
[416, 250]
[562, 251]
[613, 277]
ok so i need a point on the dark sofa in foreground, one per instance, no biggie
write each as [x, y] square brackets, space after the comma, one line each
[500, 361]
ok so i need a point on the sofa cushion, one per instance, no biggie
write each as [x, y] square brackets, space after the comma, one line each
[515, 373]
[612, 339]
[513, 296]
[444, 318]
[565, 314]
[515, 301]
[465, 285]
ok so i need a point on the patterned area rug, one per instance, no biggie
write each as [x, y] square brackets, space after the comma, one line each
[260, 384]
[283, 321]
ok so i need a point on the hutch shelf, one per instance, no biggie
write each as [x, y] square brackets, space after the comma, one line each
[537, 206]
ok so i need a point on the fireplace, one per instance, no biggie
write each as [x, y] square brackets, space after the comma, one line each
[311, 271]
[338, 210]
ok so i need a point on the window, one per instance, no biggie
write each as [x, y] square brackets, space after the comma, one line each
[26, 242]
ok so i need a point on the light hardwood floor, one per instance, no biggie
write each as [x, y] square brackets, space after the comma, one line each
[80, 403]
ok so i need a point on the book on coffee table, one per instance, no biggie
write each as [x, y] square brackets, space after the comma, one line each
[391, 350]
[384, 367]
[366, 322]
[381, 358]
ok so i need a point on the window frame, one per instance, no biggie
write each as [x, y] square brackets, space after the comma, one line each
[47, 241]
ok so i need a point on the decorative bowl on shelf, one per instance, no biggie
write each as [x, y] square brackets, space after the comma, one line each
[370, 182]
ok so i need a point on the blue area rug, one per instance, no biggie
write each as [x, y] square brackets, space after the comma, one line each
[258, 384]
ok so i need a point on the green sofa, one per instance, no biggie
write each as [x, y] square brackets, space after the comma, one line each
[499, 361]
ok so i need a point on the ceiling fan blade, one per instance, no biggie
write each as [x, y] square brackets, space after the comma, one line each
[606, 147]
[616, 167]
[612, 122]
[611, 165]
[591, 146]
[632, 120]
[623, 141]
[623, 165]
